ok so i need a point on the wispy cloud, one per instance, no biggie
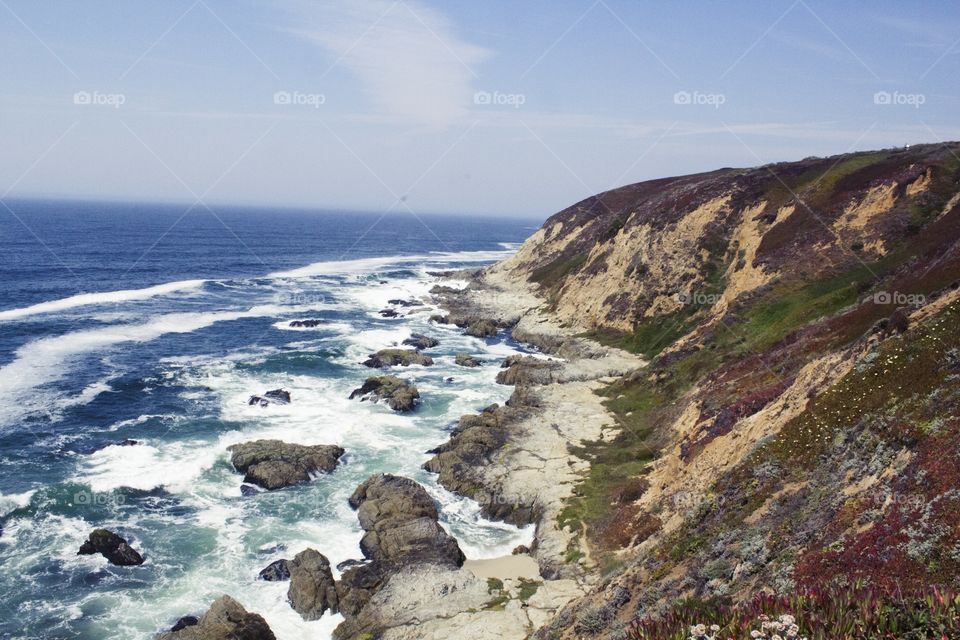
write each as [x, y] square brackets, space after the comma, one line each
[406, 56]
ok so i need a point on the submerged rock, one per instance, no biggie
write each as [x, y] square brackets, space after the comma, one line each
[279, 396]
[399, 394]
[312, 589]
[112, 547]
[276, 571]
[397, 302]
[466, 360]
[225, 620]
[420, 341]
[389, 313]
[392, 357]
[184, 622]
[309, 323]
[273, 464]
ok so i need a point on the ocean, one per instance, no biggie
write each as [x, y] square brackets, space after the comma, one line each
[152, 323]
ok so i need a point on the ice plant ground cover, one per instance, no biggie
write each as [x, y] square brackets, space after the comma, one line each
[852, 613]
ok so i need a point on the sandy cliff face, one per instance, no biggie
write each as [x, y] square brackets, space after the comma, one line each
[802, 322]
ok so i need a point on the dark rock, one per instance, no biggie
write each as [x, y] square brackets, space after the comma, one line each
[483, 328]
[346, 564]
[248, 490]
[273, 464]
[276, 571]
[466, 360]
[392, 357]
[225, 620]
[310, 323]
[520, 550]
[312, 589]
[280, 396]
[420, 341]
[403, 303]
[112, 547]
[128, 443]
[389, 313]
[184, 622]
[399, 394]
[440, 319]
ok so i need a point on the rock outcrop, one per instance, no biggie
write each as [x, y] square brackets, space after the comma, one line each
[466, 360]
[401, 533]
[273, 464]
[112, 547]
[472, 445]
[309, 323]
[278, 396]
[386, 358]
[276, 571]
[312, 590]
[525, 370]
[420, 341]
[225, 620]
[399, 394]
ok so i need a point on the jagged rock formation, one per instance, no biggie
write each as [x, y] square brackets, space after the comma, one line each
[402, 535]
[466, 360]
[273, 464]
[312, 589]
[396, 392]
[225, 620]
[112, 547]
[420, 341]
[279, 396]
[386, 358]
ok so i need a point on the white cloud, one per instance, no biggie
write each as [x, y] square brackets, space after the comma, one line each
[406, 56]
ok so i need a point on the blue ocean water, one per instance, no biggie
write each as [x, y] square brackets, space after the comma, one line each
[155, 324]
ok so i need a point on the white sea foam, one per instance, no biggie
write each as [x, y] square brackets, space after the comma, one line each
[106, 297]
[48, 359]
[370, 265]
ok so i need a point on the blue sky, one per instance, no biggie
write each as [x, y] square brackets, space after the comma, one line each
[502, 106]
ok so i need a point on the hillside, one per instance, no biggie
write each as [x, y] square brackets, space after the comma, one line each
[797, 425]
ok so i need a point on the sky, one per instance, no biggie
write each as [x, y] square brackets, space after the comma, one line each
[504, 107]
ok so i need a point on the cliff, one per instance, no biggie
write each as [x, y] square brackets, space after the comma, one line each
[796, 425]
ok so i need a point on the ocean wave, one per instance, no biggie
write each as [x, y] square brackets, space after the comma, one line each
[105, 297]
[47, 360]
[370, 265]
